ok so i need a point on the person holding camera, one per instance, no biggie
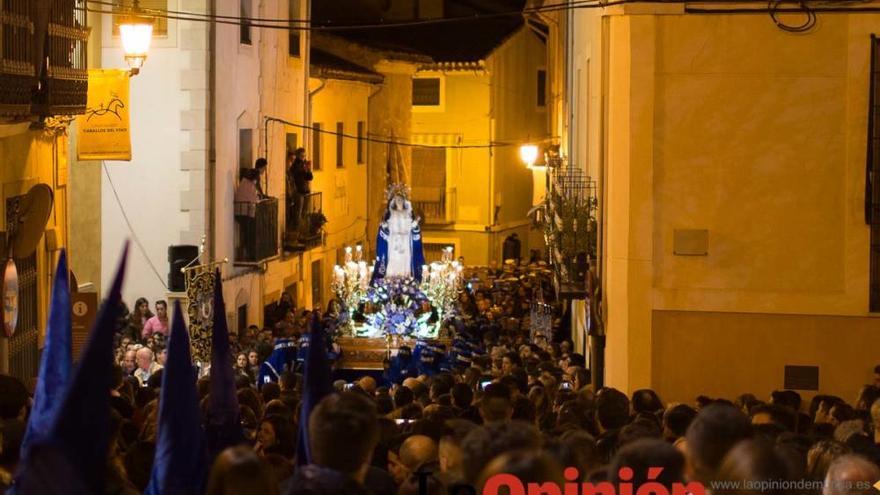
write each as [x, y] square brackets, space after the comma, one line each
[299, 178]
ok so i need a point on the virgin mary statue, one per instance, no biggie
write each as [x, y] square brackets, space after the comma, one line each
[399, 242]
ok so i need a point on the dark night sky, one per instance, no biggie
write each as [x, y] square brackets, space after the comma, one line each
[353, 11]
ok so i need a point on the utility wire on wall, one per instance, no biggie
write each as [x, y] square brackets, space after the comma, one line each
[307, 25]
[389, 140]
[134, 235]
[808, 8]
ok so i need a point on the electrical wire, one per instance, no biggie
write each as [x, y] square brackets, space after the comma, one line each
[808, 24]
[774, 8]
[391, 141]
[134, 235]
[286, 22]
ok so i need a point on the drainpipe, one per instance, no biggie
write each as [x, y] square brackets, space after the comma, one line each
[309, 96]
[307, 60]
[212, 134]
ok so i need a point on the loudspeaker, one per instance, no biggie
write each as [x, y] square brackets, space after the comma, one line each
[179, 257]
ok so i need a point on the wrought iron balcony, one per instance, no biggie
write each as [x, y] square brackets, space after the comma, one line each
[18, 77]
[65, 83]
[259, 242]
[43, 69]
[436, 205]
[308, 232]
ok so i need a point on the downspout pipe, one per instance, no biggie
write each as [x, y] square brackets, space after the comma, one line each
[309, 95]
[212, 134]
[307, 61]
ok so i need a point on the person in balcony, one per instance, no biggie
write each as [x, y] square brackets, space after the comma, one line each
[299, 178]
[247, 195]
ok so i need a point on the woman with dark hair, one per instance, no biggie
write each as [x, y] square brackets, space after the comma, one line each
[138, 318]
[333, 308]
[242, 366]
[240, 470]
[275, 436]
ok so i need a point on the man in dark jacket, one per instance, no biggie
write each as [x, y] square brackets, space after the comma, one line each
[347, 419]
[299, 177]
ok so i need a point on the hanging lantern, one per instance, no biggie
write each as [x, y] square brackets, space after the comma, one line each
[136, 31]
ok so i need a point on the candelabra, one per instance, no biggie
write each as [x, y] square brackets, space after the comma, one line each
[350, 283]
[442, 284]
[541, 318]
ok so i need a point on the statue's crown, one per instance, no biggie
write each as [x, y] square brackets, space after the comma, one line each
[396, 189]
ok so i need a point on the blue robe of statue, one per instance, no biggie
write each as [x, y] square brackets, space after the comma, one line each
[417, 258]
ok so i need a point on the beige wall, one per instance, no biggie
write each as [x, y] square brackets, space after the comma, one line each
[464, 118]
[629, 202]
[31, 158]
[85, 190]
[85, 222]
[344, 189]
[516, 119]
[497, 104]
[728, 124]
[726, 354]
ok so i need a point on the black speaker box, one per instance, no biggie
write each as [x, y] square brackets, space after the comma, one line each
[179, 257]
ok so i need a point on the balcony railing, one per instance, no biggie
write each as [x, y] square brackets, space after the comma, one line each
[258, 242]
[308, 233]
[43, 47]
[18, 77]
[67, 79]
[434, 204]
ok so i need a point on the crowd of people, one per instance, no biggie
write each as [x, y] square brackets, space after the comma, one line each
[496, 399]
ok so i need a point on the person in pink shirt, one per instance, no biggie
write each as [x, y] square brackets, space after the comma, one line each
[158, 323]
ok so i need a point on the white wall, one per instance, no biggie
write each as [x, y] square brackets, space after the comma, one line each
[149, 186]
[252, 82]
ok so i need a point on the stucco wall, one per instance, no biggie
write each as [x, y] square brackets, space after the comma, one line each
[253, 82]
[728, 124]
[161, 190]
[463, 119]
[344, 189]
[498, 104]
[517, 119]
[32, 158]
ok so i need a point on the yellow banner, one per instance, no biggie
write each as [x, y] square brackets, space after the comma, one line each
[103, 131]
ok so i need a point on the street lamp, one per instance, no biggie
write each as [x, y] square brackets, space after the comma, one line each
[136, 30]
[528, 153]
